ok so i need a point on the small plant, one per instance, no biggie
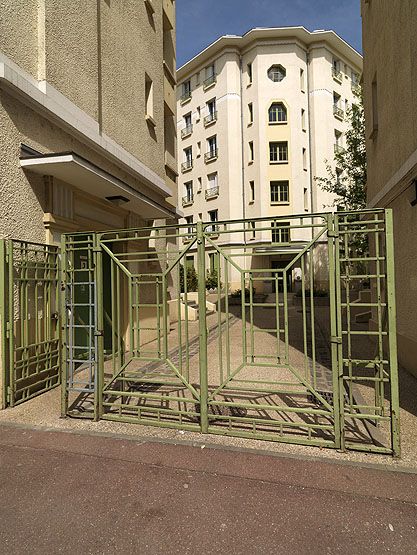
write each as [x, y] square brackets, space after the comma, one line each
[192, 279]
[212, 280]
[237, 294]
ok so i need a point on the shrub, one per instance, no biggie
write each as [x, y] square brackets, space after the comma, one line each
[212, 280]
[192, 279]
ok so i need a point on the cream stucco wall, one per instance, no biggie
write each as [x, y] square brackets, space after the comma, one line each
[295, 50]
[390, 54]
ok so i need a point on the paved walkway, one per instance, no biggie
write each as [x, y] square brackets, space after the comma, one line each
[81, 493]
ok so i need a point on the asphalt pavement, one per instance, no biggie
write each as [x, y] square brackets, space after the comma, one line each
[84, 493]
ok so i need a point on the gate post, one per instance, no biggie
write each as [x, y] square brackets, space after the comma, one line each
[392, 334]
[335, 337]
[201, 252]
[3, 323]
[99, 329]
[63, 330]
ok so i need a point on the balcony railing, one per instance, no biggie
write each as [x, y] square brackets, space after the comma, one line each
[213, 228]
[337, 75]
[209, 81]
[188, 200]
[212, 192]
[211, 118]
[356, 89]
[338, 112]
[186, 131]
[187, 165]
[210, 155]
[338, 149]
[185, 97]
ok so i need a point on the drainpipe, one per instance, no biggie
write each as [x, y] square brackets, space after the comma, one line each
[312, 207]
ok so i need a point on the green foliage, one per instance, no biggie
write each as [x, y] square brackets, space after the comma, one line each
[237, 294]
[192, 279]
[212, 280]
[350, 186]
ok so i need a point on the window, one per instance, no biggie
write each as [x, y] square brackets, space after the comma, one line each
[198, 148]
[200, 184]
[337, 108]
[210, 76]
[197, 78]
[250, 109]
[278, 152]
[277, 113]
[188, 159]
[305, 159]
[303, 119]
[277, 73]
[336, 70]
[212, 190]
[305, 199]
[189, 221]
[251, 152]
[188, 126]
[211, 111]
[252, 225]
[214, 262]
[189, 262]
[213, 217]
[188, 187]
[302, 84]
[355, 78]
[211, 147]
[338, 146]
[252, 191]
[198, 113]
[186, 90]
[279, 192]
[148, 98]
[280, 232]
[249, 68]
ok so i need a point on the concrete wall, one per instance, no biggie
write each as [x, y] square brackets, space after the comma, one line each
[390, 54]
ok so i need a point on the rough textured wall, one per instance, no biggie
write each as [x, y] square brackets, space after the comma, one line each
[390, 50]
[22, 201]
[72, 52]
[18, 33]
[131, 45]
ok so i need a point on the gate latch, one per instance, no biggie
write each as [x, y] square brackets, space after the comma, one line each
[99, 333]
[332, 233]
[335, 339]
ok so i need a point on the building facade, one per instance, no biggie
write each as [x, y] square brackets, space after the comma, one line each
[390, 100]
[87, 116]
[258, 116]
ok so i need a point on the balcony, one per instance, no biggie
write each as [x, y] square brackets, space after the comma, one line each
[338, 112]
[188, 200]
[211, 155]
[187, 166]
[337, 75]
[338, 149]
[213, 192]
[210, 81]
[211, 118]
[185, 97]
[186, 132]
[356, 89]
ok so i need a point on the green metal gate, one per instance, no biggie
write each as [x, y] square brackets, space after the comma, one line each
[29, 296]
[290, 337]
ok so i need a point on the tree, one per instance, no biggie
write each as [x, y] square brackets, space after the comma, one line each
[349, 182]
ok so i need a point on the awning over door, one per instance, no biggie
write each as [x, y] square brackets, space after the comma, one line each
[86, 176]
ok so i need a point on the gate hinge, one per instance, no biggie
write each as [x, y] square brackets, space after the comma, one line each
[335, 339]
[99, 333]
[332, 233]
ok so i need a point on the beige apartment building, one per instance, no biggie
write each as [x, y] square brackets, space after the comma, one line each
[87, 116]
[258, 116]
[390, 99]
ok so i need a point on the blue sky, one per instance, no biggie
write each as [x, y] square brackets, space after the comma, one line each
[200, 22]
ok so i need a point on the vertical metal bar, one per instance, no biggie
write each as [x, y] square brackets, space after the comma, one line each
[64, 330]
[284, 277]
[339, 349]
[3, 322]
[379, 385]
[333, 329]
[187, 357]
[11, 323]
[165, 315]
[202, 327]
[98, 270]
[277, 319]
[392, 334]
[304, 311]
[244, 334]
[113, 317]
[226, 307]
[252, 332]
[219, 319]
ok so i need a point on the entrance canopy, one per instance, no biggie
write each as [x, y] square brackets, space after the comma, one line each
[79, 172]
